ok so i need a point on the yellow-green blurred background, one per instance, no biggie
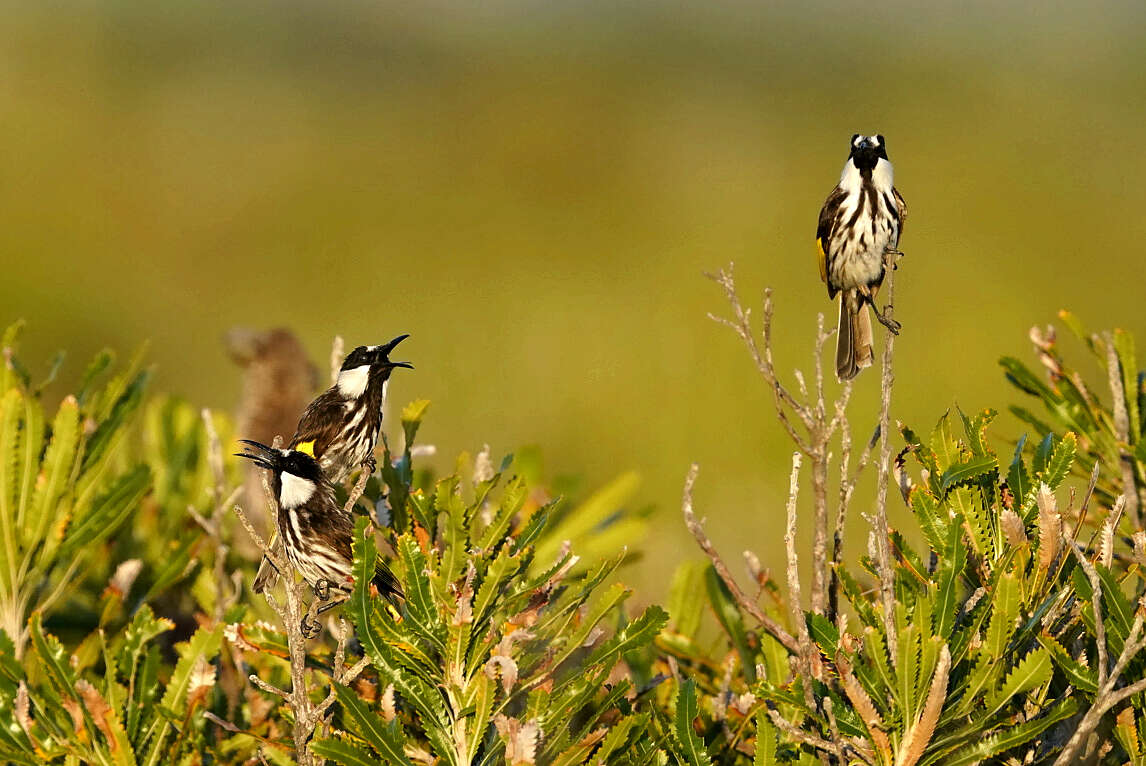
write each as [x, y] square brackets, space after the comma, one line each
[532, 189]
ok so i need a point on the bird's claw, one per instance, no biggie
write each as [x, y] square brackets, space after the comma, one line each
[370, 464]
[892, 326]
[310, 628]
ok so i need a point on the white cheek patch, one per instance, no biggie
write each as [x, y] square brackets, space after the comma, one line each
[352, 382]
[850, 178]
[296, 490]
[883, 175]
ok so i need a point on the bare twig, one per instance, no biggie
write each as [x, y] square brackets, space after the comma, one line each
[1107, 697]
[696, 527]
[804, 655]
[882, 530]
[337, 353]
[807, 418]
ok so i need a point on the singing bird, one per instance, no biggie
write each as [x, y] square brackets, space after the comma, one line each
[316, 532]
[340, 428]
[860, 222]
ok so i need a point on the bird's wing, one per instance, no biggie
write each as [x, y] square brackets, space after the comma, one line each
[824, 233]
[319, 424]
[902, 206]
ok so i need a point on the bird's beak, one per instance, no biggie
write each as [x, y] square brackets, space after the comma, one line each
[385, 350]
[407, 365]
[259, 454]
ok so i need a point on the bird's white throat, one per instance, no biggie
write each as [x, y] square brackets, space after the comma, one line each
[296, 490]
[352, 382]
[882, 177]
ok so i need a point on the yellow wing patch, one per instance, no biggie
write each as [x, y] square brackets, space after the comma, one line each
[308, 447]
[822, 257]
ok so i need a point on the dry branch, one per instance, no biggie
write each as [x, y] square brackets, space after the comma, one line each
[696, 527]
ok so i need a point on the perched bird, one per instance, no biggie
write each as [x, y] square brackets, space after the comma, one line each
[340, 427]
[316, 530]
[860, 222]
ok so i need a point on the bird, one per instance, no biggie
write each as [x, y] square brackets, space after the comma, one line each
[860, 222]
[316, 530]
[340, 427]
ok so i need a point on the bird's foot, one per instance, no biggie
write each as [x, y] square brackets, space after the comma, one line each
[370, 465]
[892, 255]
[322, 590]
[892, 326]
[310, 628]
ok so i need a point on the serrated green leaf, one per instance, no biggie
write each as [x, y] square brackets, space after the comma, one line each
[28, 465]
[965, 470]
[203, 646]
[57, 468]
[125, 406]
[348, 754]
[954, 560]
[1032, 671]
[693, 748]
[420, 605]
[1081, 677]
[1060, 461]
[639, 632]
[686, 609]
[1022, 378]
[107, 512]
[386, 738]
[11, 412]
[978, 748]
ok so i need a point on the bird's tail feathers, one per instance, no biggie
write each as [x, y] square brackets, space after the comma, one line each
[387, 583]
[853, 337]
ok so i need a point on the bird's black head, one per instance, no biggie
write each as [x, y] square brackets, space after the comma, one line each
[375, 356]
[866, 151]
[281, 461]
[297, 475]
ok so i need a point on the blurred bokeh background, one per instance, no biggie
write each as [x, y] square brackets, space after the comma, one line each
[532, 188]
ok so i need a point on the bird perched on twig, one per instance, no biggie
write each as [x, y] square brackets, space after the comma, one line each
[317, 531]
[859, 224]
[340, 428]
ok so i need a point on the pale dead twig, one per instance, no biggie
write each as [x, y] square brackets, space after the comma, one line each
[696, 527]
[804, 655]
[1107, 697]
[809, 422]
[882, 529]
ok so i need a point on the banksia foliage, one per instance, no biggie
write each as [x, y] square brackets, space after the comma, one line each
[496, 654]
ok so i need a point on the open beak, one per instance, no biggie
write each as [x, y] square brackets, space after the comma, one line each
[386, 349]
[407, 365]
[259, 454]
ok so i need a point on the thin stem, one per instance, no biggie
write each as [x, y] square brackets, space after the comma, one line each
[804, 655]
[748, 605]
[882, 529]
